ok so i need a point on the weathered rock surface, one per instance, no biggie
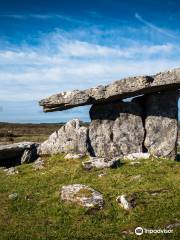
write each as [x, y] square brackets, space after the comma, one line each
[173, 225]
[13, 196]
[38, 164]
[136, 156]
[161, 124]
[74, 155]
[121, 89]
[126, 202]
[116, 129]
[82, 195]
[100, 163]
[70, 138]
[18, 153]
[29, 155]
[11, 171]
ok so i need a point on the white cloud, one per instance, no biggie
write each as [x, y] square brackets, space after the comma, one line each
[63, 63]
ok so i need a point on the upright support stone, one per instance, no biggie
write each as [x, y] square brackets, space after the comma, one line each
[116, 129]
[70, 138]
[161, 124]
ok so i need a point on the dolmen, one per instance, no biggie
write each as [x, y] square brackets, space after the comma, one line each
[132, 115]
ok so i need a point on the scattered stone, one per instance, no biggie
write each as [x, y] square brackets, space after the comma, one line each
[82, 195]
[13, 196]
[174, 225]
[100, 163]
[74, 155]
[136, 156]
[39, 164]
[126, 202]
[11, 171]
[102, 174]
[17, 153]
[127, 87]
[72, 137]
[134, 163]
[137, 177]
[127, 232]
[116, 129]
[157, 192]
[161, 124]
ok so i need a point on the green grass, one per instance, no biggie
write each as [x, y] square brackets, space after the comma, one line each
[38, 212]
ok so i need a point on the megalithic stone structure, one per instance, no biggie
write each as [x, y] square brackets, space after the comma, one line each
[128, 87]
[148, 123]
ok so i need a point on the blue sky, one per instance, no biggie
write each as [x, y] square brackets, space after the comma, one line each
[51, 46]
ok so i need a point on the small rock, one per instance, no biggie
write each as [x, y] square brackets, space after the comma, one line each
[38, 164]
[82, 195]
[134, 163]
[127, 232]
[157, 192]
[136, 156]
[174, 225]
[137, 177]
[13, 196]
[100, 163]
[102, 174]
[126, 203]
[74, 155]
[2, 168]
[11, 171]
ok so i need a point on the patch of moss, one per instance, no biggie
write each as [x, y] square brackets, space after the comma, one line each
[84, 192]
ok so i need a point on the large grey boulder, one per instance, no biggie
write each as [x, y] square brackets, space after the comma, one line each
[116, 129]
[70, 138]
[82, 195]
[17, 153]
[127, 87]
[161, 124]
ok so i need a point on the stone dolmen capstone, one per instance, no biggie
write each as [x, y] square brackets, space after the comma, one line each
[127, 87]
[146, 124]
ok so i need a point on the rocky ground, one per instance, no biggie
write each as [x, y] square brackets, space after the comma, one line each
[144, 194]
[73, 197]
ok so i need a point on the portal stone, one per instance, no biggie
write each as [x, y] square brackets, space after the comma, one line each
[116, 129]
[70, 138]
[161, 124]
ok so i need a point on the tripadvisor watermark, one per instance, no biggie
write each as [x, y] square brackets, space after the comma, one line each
[139, 231]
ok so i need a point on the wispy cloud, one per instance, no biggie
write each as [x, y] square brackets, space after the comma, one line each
[43, 17]
[64, 62]
[154, 27]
